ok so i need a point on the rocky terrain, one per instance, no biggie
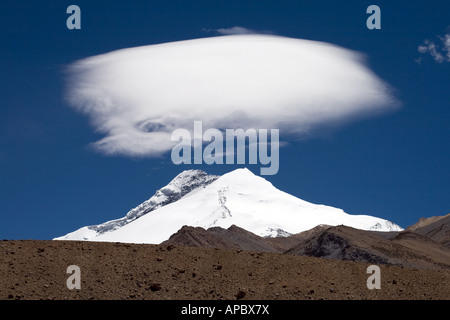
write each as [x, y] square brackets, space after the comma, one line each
[436, 228]
[37, 270]
[214, 264]
[424, 246]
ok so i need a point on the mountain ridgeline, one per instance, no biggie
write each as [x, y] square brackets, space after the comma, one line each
[195, 198]
[409, 249]
[242, 211]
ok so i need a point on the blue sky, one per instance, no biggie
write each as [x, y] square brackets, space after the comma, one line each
[393, 166]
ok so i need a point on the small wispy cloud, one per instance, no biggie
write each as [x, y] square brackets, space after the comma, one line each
[236, 30]
[439, 49]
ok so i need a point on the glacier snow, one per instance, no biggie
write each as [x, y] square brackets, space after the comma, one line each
[195, 198]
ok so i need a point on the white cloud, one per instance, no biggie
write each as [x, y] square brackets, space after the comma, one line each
[446, 43]
[235, 30]
[440, 52]
[136, 97]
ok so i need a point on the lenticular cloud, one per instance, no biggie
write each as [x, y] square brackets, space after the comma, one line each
[136, 97]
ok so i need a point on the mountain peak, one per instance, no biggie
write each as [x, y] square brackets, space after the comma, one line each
[197, 199]
[242, 173]
[189, 174]
[244, 170]
[185, 182]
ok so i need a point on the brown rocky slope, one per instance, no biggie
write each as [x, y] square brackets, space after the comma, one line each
[197, 264]
[37, 270]
[408, 248]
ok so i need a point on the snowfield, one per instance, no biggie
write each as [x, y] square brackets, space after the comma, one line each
[197, 199]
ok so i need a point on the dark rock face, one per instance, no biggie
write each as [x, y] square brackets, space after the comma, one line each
[331, 245]
[181, 185]
[220, 238]
[198, 237]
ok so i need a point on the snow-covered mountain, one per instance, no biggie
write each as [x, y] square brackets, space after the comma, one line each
[195, 198]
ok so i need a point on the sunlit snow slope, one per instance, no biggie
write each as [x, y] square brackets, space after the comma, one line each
[195, 198]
